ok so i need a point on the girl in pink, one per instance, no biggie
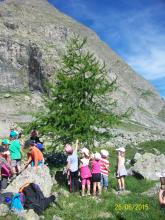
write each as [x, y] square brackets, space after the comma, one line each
[96, 173]
[85, 172]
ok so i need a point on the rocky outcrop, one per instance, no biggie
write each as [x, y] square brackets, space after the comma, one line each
[41, 176]
[149, 166]
[33, 36]
[123, 137]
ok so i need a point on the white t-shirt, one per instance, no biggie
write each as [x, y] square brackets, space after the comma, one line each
[73, 161]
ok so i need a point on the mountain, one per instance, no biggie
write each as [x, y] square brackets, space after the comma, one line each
[33, 35]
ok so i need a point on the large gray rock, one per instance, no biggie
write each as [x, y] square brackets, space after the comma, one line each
[41, 176]
[149, 165]
[28, 215]
[137, 156]
[4, 210]
[153, 191]
[33, 36]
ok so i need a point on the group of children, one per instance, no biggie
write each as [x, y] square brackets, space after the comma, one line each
[11, 155]
[92, 169]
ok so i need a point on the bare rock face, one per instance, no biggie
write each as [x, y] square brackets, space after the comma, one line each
[33, 35]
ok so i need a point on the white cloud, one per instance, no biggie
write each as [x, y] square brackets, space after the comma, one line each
[138, 37]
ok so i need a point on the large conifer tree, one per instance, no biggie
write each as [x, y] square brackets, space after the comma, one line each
[79, 105]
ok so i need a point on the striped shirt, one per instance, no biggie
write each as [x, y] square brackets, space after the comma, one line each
[103, 163]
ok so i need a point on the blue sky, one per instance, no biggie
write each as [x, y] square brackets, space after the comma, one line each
[134, 29]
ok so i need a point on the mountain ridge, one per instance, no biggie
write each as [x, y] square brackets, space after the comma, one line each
[33, 37]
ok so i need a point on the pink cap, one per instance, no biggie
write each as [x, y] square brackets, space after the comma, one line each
[68, 149]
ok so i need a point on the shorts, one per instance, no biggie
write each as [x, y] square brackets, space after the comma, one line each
[96, 177]
[16, 162]
[85, 181]
[3, 182]
[40, 163]
[104, 180]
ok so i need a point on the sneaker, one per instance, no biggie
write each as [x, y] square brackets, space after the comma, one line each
[88, 193]
[82, 194]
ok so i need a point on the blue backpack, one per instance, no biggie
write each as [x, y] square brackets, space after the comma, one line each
[16, 204]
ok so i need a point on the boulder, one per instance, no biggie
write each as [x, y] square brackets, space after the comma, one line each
[41, 176]
[105, 215]
[156, 151]
[153, 191]
[137, 156]
[55, 217]
[4, 209]
[28, 215]
[148, 165]
[7, 95]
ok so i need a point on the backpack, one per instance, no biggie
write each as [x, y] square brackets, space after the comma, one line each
[5, 172]
[16, 204]
[33, 198]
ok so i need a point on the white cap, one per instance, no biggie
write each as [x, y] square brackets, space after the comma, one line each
[104, 153]
[85, 151]
[97, 156]
[122, 149]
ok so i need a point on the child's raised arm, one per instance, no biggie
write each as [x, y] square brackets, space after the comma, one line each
[77, 145]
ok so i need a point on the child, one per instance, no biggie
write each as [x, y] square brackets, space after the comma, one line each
[85, 172]
[121, 170]
[6, 153]
[104, 167]
[162, 199]
[72, 166]
[35, 156]
[96, 173]
[34, 136]
[15, 152]
[5, 170]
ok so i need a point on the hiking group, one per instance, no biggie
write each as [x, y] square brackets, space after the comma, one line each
[29, 195]
[85, 170]
[93, 169]
[11, 151]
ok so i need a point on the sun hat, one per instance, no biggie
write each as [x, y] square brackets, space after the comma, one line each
[104, 153]
[85, 151]
[13, 134]
[97, 156]
[122, 149]
[5, 141]
[68, 149]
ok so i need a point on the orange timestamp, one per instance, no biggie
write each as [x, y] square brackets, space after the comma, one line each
[131, 207]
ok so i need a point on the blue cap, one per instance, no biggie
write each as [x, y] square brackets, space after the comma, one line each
[5, 142]
[13, 134]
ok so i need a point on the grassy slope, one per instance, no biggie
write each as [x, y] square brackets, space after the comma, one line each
[128, 207]
[123, 207]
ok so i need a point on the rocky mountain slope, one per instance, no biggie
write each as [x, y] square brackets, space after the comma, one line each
[33, 35]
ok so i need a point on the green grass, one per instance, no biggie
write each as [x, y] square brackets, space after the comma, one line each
[161, 114]
[134, 206]
[146, 94]
[149, 145]
[130, 207]
[130, 126]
